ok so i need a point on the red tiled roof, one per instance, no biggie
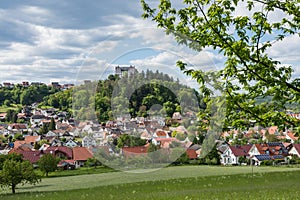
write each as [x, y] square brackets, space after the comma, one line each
[32, 156]
[240, 150]
[18, 143]
[18, 126]
[81, 153]
[31, 139]
[65, 150]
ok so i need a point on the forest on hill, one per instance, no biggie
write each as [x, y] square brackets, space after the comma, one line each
[134, 95]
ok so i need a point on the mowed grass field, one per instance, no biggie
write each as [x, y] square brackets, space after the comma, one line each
[186, 182]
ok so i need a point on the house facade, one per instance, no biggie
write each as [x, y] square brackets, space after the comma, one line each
[232, 154]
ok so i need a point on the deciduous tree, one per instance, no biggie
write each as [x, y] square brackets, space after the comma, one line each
[17, 172]
[48, 163]
[245, 39]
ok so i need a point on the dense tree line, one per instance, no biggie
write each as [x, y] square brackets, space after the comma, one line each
[25, 95]
[135, 95]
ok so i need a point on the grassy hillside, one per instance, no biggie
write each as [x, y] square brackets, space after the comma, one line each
[188, 182]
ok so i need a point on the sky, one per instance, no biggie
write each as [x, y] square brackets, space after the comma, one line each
[74, 40]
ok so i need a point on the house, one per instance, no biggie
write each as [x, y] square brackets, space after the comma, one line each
[51, 134]
[48, 112]
[17, 128]
[121, 71]
[33, 156]
[18, 143]
[268, 151]
[36, 119]
[71, 144]
[55, 85]
[258, 159]
[25, 84]
[60, 152]
[232, 154]
[68, 86]
[81, 155]
[88, 142]
[270, 148]
[8, 85]
[295, 150]
[32, 139]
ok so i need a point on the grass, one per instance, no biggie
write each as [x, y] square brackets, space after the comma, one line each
[187, 182]
[80, 171]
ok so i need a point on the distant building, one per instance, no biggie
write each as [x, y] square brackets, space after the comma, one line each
[25, 84]
[8, 85]
[87, 82]
[36, 83]
[120, 71]
[68, 86]
[55, 85]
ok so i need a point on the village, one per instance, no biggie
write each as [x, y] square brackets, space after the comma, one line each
[74, 142]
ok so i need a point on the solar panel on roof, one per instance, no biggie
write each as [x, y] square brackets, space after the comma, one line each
[263, 157]
[278, 157]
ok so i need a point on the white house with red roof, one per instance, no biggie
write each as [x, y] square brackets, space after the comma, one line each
[232, 154]
[81, 155]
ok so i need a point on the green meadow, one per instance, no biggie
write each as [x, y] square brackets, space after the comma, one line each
[185, 182]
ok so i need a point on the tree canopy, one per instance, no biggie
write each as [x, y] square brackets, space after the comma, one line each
[245, 39]
[48, 163]
[16, 172]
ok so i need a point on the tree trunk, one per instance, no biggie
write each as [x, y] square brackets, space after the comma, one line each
[47, 174]
[13, 188]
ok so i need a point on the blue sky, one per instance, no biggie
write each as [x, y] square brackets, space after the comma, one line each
[73, 40]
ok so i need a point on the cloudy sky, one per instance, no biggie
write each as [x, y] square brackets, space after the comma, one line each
[72, 40]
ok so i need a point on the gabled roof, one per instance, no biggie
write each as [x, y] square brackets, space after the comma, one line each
[81, 153]
[272, 147]
[297, 147]
[32, 139]
[18, 126]
[18, 143]
[65, 150]
[240, 150]
[31, 156]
